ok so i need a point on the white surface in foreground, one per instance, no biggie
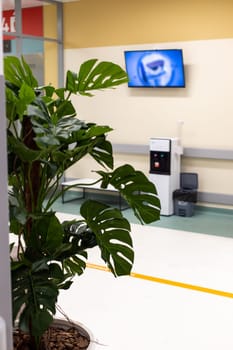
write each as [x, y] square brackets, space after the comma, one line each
[131, 314]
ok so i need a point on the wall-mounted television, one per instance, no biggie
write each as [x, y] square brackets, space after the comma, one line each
[155, 68]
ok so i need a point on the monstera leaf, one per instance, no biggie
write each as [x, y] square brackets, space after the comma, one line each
[137, 190]
[34, 295]
[94, 75]
[112, 232]
[17, 72]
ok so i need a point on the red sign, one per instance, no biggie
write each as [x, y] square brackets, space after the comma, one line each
[32, 21]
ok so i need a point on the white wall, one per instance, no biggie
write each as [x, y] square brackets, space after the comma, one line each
[205, 106]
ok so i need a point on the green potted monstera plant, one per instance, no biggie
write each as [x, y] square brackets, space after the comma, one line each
[45, 138]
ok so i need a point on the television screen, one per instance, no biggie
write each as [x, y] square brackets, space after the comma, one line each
[155, 68]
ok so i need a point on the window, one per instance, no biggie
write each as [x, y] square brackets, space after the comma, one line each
[34, 29]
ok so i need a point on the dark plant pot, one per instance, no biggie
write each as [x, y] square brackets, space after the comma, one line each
[68, 334]
[84, 331]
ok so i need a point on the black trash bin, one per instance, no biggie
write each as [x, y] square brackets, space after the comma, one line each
[185, 197]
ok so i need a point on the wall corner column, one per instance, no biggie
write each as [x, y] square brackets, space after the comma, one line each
[5, 294]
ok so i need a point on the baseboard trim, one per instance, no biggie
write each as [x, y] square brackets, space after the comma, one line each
[218, 198]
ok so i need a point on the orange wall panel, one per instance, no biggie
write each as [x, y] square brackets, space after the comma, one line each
[90, 23]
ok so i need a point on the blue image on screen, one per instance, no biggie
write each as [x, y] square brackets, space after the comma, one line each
[155, 68]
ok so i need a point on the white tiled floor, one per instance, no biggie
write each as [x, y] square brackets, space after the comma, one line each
[128, 313]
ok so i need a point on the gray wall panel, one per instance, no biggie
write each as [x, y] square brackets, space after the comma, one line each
[187, 152]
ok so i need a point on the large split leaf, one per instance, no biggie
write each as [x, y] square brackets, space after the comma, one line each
[94, 75]
[18, 72]
[112, 232]
[138, 191]
[34, 296]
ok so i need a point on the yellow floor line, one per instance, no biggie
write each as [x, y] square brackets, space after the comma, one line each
[169, 282]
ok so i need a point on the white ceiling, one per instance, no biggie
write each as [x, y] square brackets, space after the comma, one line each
[9, 4]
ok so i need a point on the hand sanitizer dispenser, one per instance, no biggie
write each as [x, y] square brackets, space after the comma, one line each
[165, 170]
